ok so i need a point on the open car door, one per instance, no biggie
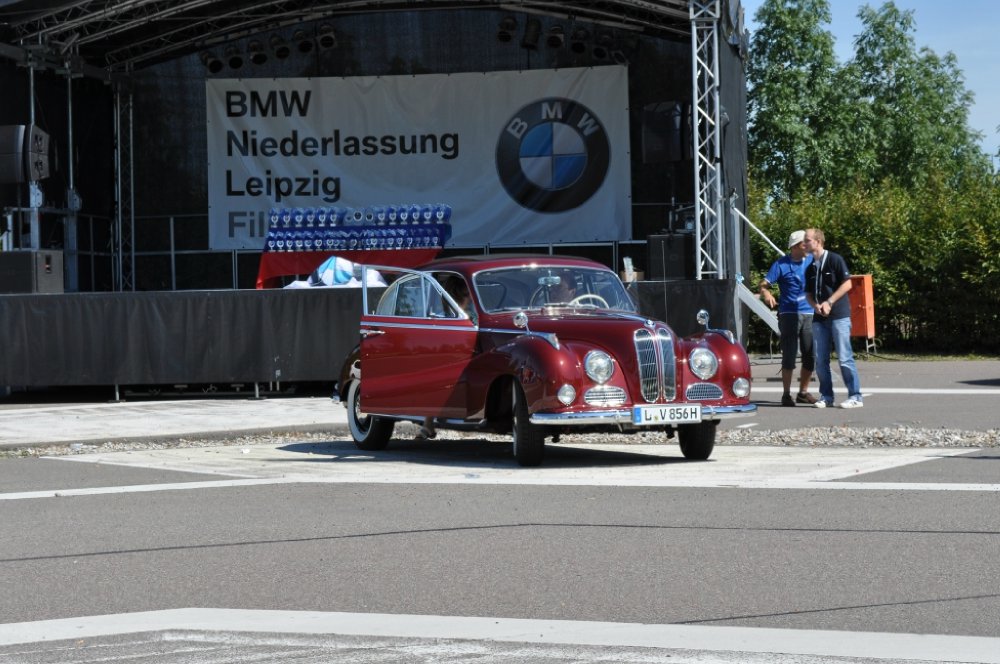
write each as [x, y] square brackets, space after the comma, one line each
[416, 345]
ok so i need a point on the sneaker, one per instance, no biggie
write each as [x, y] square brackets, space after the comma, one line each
[425, 434]
[805, 397]
[852, 403]
[787, 400]
[820, 404]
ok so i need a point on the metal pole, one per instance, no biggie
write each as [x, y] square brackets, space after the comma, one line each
[6, 238]
[34, 191]
[71, 275]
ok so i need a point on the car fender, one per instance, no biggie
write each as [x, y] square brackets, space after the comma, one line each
[538, 366]
[733, 359]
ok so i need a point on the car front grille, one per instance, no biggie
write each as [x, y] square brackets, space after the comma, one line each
[657, 375]
[604, 395]
[703, 392]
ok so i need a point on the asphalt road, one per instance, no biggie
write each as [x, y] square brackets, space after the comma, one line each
[444, 551]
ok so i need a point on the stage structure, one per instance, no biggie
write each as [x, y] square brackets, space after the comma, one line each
[130, 49]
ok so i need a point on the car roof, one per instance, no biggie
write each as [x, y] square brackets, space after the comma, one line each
[479, 262]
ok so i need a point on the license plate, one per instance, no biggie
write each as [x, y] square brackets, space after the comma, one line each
[676, 414]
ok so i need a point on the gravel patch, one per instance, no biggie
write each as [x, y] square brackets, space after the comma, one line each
[805, 437]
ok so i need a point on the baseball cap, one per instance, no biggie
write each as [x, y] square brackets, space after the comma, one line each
[795, 238]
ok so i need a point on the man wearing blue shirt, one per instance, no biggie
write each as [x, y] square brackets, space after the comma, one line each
[795, 316]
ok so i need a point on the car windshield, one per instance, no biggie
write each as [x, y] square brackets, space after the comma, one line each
[510, 289]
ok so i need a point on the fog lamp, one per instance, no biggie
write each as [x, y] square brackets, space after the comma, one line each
[566, 394]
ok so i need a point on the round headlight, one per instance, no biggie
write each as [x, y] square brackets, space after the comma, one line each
[741, 387]
[703, 363]
[599, 366]
[566, 394]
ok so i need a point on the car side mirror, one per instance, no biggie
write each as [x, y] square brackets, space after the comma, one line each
[520, 320]
[702, 318]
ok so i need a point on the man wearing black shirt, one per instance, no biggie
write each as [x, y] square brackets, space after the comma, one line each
[828, 282]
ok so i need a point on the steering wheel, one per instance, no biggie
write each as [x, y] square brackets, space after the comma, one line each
[580, 299]
[537, 298]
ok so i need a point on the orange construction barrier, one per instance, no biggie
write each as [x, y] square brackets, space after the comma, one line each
[862, 307]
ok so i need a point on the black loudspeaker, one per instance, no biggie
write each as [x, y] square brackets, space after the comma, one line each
[12, 153]
[24, 153]
[671, 257]
[25, 271]
[666, 132]
[678, 302]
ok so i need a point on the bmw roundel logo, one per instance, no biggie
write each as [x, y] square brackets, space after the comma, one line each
[553, 155]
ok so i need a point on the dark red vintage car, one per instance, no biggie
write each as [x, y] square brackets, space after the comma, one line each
[537, 346]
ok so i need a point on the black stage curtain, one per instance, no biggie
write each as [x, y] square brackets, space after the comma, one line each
[193, 337]
[177, 337]
[677, 303]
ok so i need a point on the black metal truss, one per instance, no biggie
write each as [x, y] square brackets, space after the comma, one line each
[132, 34]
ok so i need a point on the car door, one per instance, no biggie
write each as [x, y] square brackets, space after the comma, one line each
[415, 352]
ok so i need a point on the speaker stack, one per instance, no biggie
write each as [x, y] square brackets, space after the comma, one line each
[671, 256]
[24, 154]
[31, 271]
[666, 132]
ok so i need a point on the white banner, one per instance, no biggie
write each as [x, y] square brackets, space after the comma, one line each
[521, 157]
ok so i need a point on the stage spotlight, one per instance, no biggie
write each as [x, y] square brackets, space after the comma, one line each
[578, 44]
[303, 41]
[602, 46]
[556, 37]
[327, 38]
[233, 57]
[508, 26]
[279, 47]
[258, 55]
[212, 63]
[532, 31]
[627, 51]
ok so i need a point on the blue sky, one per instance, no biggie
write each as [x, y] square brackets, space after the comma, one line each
[967, 28]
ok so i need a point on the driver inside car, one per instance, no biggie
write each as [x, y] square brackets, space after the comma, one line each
[564, 291]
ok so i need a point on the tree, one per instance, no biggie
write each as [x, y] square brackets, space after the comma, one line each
[918, 103]
[878, 153]
[893, 111]
[795, 97]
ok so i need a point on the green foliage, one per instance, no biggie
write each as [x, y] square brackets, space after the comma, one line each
[919, 107]
[792, 69]
[934, 254]
[878, 153]
[892, 112]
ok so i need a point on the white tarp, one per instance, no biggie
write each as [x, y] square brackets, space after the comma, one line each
[522, 157]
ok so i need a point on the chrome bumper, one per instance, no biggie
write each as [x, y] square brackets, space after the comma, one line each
[624, 417]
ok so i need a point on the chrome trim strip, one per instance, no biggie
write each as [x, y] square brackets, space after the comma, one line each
[416, 326]
[708, 413]
[550, 337]
[728, 412]
[645, 351]
[668, 364]
[593, 417]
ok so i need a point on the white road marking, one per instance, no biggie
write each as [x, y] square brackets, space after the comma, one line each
[953, 391]
[676, 484]
[141, 488]
[652, 466]
[819, 643]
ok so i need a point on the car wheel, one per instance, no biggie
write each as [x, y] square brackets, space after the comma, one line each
[369, 432]
[529, 442]
[697, 440]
